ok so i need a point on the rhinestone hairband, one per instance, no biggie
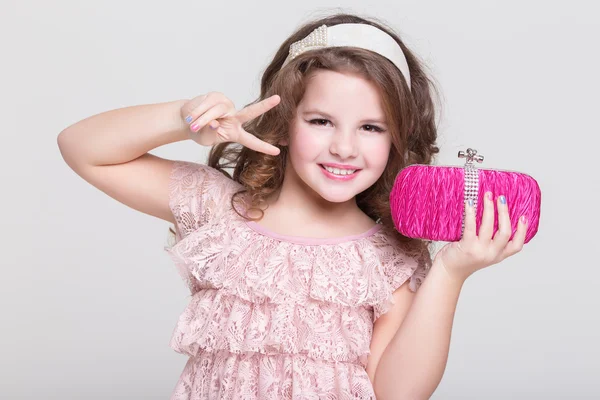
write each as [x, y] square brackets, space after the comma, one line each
[353, 35]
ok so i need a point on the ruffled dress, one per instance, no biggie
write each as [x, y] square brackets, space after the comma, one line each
[273, 316]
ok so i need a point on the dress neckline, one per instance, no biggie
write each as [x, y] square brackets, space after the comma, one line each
[310, 240]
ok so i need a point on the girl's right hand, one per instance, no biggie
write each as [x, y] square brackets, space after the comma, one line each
[213, 119]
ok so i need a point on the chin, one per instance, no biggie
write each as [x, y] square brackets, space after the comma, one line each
[336, 197]
[338, 194]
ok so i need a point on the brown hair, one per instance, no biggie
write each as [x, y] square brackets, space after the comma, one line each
[410, 115]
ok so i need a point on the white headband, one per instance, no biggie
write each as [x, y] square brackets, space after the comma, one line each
[353, 35]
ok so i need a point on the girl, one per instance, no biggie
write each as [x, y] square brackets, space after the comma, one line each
[301, 288]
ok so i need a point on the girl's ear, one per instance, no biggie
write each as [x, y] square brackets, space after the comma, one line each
[283, 142]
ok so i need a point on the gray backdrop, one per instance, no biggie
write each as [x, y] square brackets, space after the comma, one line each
[89, 298]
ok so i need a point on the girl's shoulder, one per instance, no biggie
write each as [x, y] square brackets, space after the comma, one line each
[391, 252]
[197, 192]
[398, 263]
[189, 176]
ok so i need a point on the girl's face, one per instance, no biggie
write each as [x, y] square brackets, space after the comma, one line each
[339, 142]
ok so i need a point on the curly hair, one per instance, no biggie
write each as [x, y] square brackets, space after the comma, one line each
[411, 116]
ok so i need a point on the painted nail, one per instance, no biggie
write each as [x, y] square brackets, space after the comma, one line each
[502, 200]
[188, 119]
[489, 195]
[194, 127]
[524, 219]
[470, 201]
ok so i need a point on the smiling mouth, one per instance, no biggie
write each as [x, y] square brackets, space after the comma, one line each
[339, 171]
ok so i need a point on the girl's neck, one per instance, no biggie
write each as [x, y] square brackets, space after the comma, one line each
[297, 208]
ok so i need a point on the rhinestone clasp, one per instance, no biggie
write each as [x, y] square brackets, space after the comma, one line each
[471, 179]
[470, 155]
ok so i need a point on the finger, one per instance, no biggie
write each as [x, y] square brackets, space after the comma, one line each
[504, 226]
[518, 240]
[252, 142]
[487, 220]
[212, 113]
[469, 232]
[208, 101]
[254, 110]
[191, 115]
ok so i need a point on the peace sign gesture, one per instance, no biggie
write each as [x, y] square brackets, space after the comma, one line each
[213, 119]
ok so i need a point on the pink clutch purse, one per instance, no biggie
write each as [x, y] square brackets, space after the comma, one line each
[427, 201]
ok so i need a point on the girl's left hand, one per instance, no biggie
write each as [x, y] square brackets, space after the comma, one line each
[472, 252]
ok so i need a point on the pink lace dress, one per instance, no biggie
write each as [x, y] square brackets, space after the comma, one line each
[272, 316]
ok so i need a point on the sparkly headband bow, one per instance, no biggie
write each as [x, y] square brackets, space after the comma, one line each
[353, 35]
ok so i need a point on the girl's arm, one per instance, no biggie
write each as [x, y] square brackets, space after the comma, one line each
[413, 363]
[110, 151]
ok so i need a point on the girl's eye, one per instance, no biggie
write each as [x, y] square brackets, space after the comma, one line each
[375, 128]
[322, 122]
[312, 121]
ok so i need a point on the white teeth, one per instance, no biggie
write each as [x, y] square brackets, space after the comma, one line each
[338, 171]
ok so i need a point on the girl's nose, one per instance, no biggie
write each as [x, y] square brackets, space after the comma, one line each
[344, 144]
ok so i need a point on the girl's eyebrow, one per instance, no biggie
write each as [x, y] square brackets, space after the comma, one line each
[369, 120]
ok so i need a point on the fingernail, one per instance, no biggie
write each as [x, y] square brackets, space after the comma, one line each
[524, 219]
[470, 201]
[489, 195]
[188, 119]
[502, 200]
[194, 127]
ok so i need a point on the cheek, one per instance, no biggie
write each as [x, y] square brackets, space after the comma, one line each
[376, 152]
[305, 145]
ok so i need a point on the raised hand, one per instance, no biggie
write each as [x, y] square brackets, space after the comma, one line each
[473, 252]
[213, 119]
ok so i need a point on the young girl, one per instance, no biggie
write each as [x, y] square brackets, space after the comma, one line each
[301, 288]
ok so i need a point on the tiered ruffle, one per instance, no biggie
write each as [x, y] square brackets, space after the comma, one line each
[253, 293]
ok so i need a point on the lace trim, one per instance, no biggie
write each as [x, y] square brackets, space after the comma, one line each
[308, 241]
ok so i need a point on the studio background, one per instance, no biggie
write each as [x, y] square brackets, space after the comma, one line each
[89, 298]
